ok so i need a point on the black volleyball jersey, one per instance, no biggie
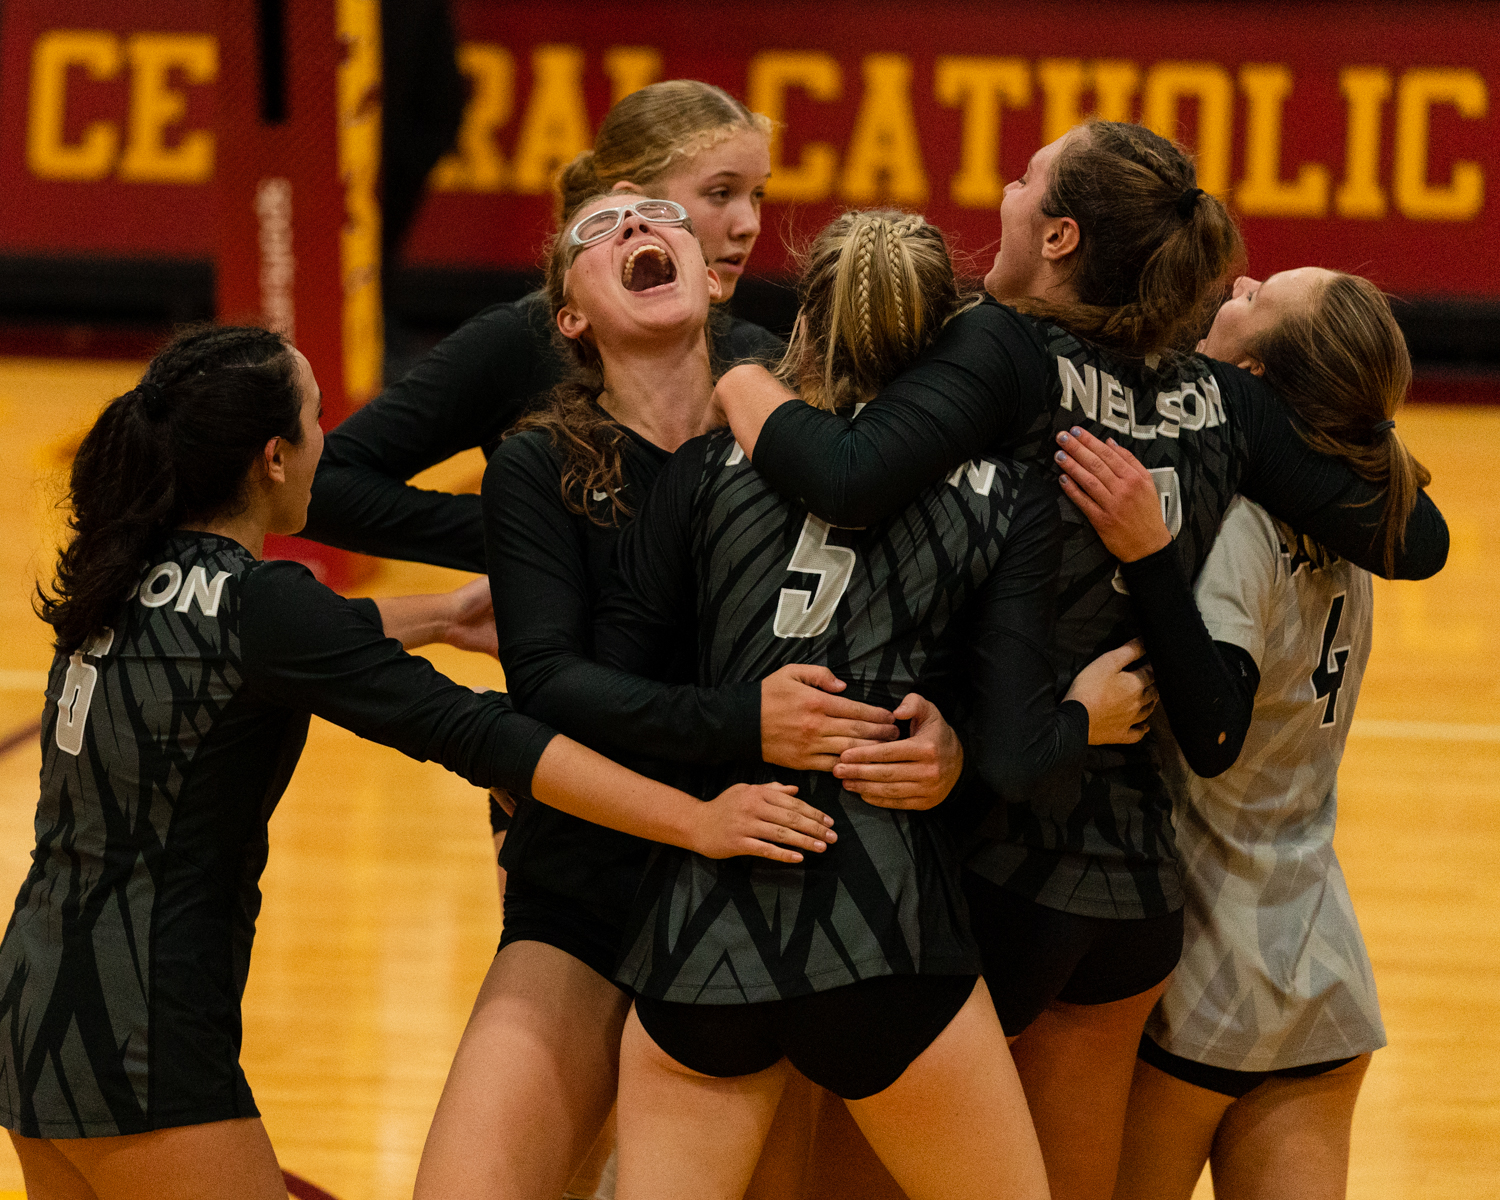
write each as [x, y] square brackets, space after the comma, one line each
[167, 741]
[767, 584]
[1118, 856]
[1206, 430]
[548, 566]
[467, 392]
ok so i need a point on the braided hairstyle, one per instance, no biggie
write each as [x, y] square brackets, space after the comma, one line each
[876, 288]
[1154, 251]
[175, 448]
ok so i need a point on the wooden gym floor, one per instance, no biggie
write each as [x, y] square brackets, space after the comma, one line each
[381, 912]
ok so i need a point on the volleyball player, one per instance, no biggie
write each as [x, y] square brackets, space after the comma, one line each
[862, 974]
[556, 496]
[1253, 1058]
[1109, 254]
[682, 140]
[177, 707]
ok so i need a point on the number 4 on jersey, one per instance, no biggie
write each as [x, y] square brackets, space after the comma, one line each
[1328, 676]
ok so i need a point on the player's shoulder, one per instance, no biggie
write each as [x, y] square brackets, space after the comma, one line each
[190, 571]
[527, 453]
[187, 600]
[1250, 538]
[988, 319]
[741, 340]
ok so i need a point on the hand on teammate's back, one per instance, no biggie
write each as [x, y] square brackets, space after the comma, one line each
[916, 772]
[751, 818]
[805, 725]
[1115, 493]
[1120, 700]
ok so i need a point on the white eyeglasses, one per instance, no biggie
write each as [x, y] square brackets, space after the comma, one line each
[599, 224]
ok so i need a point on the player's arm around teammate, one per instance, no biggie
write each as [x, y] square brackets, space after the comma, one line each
[681, 139]
[556, 496]
[1080, 965]
[177, 708]
[1268, 1107]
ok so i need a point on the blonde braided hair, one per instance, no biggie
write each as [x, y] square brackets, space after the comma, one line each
[863, 244]
[868, 311]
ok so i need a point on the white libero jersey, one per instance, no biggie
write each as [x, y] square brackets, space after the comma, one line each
[1274, 972]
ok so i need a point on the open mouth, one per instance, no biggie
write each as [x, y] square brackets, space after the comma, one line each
[647, 267]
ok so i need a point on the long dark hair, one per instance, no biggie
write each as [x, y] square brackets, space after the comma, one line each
[174, 448]
[1343, 367]
[1154, 252]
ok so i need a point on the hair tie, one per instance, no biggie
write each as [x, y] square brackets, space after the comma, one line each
[1381, 426]
[1187, 202]
[152, 400]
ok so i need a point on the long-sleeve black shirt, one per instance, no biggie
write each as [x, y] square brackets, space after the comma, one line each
[547, 569]
[467, 392]
[890, 609]
[996, 380]
[167, 741]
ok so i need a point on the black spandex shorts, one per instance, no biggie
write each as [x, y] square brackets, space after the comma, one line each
[854, 1040]
[1033, 954]
[533, 914]
[1222, 1079]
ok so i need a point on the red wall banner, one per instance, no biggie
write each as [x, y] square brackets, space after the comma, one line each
[1360, 136]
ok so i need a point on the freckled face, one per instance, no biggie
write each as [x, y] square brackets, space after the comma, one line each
[1018, 264]
[1255, 308]
[722, 189]
[643, 280]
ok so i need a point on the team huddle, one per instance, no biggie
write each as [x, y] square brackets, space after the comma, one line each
[940, 711]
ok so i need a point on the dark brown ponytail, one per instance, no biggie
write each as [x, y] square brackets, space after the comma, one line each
[1154, 250]
[174, 448]
[1342, 365]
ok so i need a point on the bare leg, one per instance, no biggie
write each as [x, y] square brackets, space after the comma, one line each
[1169, 1132]
[843, 1166]
[596, 1174]
[48, 1175]
[955, 1125]
[686, 1136]
[1289, 1138]
[230, 1159]
[1076, 1062]
[781, 1173]
[531, 1084]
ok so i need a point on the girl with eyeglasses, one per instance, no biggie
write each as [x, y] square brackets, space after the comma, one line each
[681, 140]
[857, 969]
[1110, 258]
[556, 497]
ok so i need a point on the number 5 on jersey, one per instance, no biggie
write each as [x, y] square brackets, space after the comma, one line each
[803, 614]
